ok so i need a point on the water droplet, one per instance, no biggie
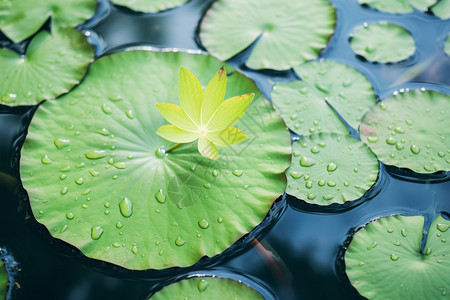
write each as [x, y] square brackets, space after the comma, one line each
[321, 182]
[46, 160]
[85, 192]
[372, 139]
[215, 173]
[119, 225]
[295, 175]
[443, 240]
[120, 165]
[84, 206]
[238, 173]
[202, 285]
[64, 228]
[355, 170]
[415, 149]
[179, 205]
[328, 197]
[96, 232]
[203, 223]
[161, 252]
[130, 114]
[391, 140]
[207, 185]
[403, 231]
[179, 241]
[428, 251]
[346, 183]
[103, 131]
[361, 263]
[95, 154]
[315, 150]
[442, 227]
[79, 181]
[331, 167]
[94, 173]
[80, 165]
[399, 130]
[65, 169]
[60, 143]
[62, 176]
[64, 190]
[311, 196]
[193, 168]
[306, 162]
[394, 257]
[397, 244]
[219, 219]
[106, 109]
[126, 207]
[309, 184]
[371, 246]
[116, 245]
[331, 183]
[160, 196]
[390, 230]
[246, 187]
[69, 216]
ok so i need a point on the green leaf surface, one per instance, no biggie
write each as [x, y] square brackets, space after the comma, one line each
[146, 6]
[206, 287]
[442, 9]
[330, 168]
[399, 6]
[303, 105]
[410, 130]
[383, 261]
[383, 42]
[19, 19]
[447, 45]
[3, 280]
[53, 64]
[98, 178]
[290, 32]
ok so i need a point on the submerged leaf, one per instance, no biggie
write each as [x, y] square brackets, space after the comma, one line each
[287, 33]
[99, 149]
[383, 42]
[384, 260]
[53, 64]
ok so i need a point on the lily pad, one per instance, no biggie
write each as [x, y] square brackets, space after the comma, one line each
[53, 64]
[303, 104]
[149, 6]
[410, 130]
[399, 6]
[447, 45]
[19, 19]
[384, 259]
[442, 9]
[206, 287]
[98, 178]
[383, 42]
[330, 168]
[287, 33]
[3, 280]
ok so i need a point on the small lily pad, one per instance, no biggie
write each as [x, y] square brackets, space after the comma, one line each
[19, 19]
[330, 168]
[303, 104]
[384, 259]
[207, 287]
[399, 6]
[3, 280]
[442, 9]
[149, 6]
[98, 176]
[383, 42]
[53, 64]
[287, 33]
[410, 130]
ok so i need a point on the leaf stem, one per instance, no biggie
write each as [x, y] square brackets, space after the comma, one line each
[173, 147]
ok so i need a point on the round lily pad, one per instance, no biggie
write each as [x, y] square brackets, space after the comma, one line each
[410, 130]
[206, 287]
[53, 64]
[287, 33]
[149, 6]
[384, 261]
[3, 280]
[303, 104]
[383, 42]
[399, 6]
[442, 9]
[19, 19]
[98, 178]
[330, 168]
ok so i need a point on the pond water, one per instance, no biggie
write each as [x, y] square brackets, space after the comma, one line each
[299, 254]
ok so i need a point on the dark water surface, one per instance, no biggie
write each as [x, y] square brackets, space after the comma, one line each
[299, 256]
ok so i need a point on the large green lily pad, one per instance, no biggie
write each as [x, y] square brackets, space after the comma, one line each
[303, 104]
[149, 6]
[3, 280]
[329, 168]
[410, 130]
[399, 6]
[53, 64]
[383, 261]
[97, 176]
[442, 9]
[207, 287]
[383, 42]
[287, 33]
[19, 19]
